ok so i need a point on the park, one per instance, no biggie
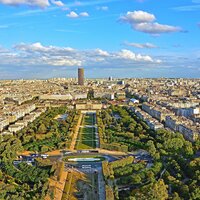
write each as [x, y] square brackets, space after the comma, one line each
[87, 132]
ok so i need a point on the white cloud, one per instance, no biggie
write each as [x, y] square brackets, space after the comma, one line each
[100, 52]
[38, 3]
[138, 17]
[37, 54]
[33, 47]
[155, 28]
[40, 60]
[39, 48]
[141, 46]
[58, 3]
[73, 14]
[64, 62]
[145, 22]
[3, 50]
[129, 55]
[159, 61]
[84, 14]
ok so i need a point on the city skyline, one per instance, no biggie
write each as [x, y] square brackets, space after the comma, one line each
[131, 38]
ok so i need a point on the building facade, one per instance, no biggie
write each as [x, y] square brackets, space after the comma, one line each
[80, 76]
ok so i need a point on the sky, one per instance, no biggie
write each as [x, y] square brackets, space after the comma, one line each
[42, 39]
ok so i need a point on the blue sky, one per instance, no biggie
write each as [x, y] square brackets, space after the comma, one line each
[119, 38]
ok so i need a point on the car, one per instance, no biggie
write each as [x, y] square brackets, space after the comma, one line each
[65, 152]
[16, 162]
[34, 155]
[44, 155]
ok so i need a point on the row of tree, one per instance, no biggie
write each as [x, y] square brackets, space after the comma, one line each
[175, 169]
[108, 167]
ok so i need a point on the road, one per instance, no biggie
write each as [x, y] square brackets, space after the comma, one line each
[101, 185]
[92, 168]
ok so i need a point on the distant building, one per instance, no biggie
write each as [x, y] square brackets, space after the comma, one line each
[106, 95]
[80, 95]
[110, 78]
[80, 76]
[3, 123]
[134, 101]
[121, 95]
[56, 97]
[121, 82]
[88, 106]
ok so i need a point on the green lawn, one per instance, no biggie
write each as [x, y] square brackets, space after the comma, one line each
[86, 138]
[88, 120]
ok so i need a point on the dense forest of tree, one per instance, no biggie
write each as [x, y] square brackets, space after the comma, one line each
[27, 182]
[46, 133]
[175, 173]
[24, 181]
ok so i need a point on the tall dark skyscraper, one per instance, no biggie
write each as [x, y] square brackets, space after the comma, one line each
[80, 76]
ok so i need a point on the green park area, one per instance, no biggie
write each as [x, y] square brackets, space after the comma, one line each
[89, 119]
[86, 138]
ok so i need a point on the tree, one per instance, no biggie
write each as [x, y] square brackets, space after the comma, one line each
[197, 144]
[195, 195]
[44, 148]
[1, 175]
[42, 129]
[188, 148]
[151, 148]
[175, 196]
[9, 148]
[136, 179]
[131, 127]
[152, 191]
[139, 129]
[151, 176]
[118, 128]
[174, 144]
